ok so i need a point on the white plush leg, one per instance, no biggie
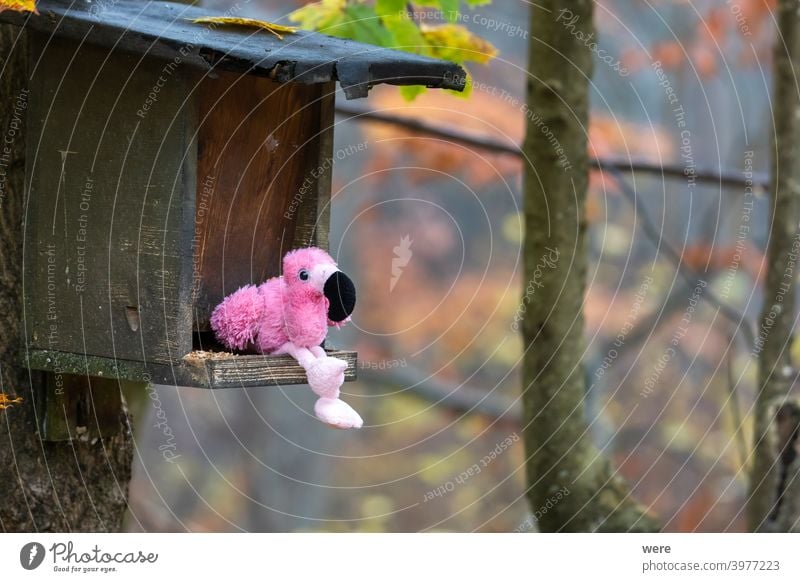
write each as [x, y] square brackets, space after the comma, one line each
[318, 351]
[304, 356]
[325, 376]
[337, 413]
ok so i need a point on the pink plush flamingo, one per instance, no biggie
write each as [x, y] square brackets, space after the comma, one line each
[290, 315]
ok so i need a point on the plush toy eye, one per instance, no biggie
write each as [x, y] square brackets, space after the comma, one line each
[303, 275]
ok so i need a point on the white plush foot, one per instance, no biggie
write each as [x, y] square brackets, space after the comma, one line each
[325, 376]
[337, 413]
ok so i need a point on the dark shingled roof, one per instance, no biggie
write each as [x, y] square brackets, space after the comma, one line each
[163, 29]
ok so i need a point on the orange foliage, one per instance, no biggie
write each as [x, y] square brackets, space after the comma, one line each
[6, 402]
[704, 59]
[690, 516]
[670, 53]
[492, 117]
[634, 59]
[610, 137]
[756, 13]
[483, 115]
[606, 311]
[434, 306]
[701, 257]
[714, 26]
[18, 5]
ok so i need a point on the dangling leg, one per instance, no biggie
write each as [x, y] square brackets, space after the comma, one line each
[304, 356]
[318, 351]
[325, 376]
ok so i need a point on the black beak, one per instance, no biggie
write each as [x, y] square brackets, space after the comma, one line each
[341, 294]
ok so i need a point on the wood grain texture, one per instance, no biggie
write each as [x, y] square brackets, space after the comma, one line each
[241, 371]
[314, 208]
[79, 486]
[259, 144]
[107, 262]
[198, 369]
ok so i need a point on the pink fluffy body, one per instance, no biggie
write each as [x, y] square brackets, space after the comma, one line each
[289, 315]
[283, 309]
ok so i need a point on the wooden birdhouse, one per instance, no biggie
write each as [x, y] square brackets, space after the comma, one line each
[169, 163]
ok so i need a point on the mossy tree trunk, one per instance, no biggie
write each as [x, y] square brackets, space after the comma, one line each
[78, 485]
[774, 504]
[559, 454]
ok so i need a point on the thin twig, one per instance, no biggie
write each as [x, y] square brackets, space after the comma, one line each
[731, 178]
[687, 273]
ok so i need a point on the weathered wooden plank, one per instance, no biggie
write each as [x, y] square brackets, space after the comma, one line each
[164, 30]
[198, 369]
[258, 146]
[107, 257]
[314, 204]
[226, 370]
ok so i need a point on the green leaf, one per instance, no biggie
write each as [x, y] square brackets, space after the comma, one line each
[405, 34]
[326, 17]
[450, 9]
[366, 25]
[389, 7]
[454, 42]
[411, 92]
[388, 23]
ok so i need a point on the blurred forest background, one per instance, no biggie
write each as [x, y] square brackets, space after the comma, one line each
[439, 382]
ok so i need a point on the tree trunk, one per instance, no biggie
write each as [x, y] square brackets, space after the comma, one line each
[773, 467]
[560, 457]
[78, 485]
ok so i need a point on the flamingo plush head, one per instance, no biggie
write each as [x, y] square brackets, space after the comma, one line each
[312, 272]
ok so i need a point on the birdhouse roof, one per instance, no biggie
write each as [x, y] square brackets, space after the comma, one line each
[166, 30]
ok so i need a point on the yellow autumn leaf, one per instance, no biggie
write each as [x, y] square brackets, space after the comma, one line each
[321, 15]
[6, 402]
[456, 43]
[18, 5]
[275, 29]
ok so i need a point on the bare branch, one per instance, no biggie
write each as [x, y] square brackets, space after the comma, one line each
[736, 317]
[727, 178]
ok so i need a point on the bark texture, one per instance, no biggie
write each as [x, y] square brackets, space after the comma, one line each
[80, 485]
[770, 492]
[559, 453]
